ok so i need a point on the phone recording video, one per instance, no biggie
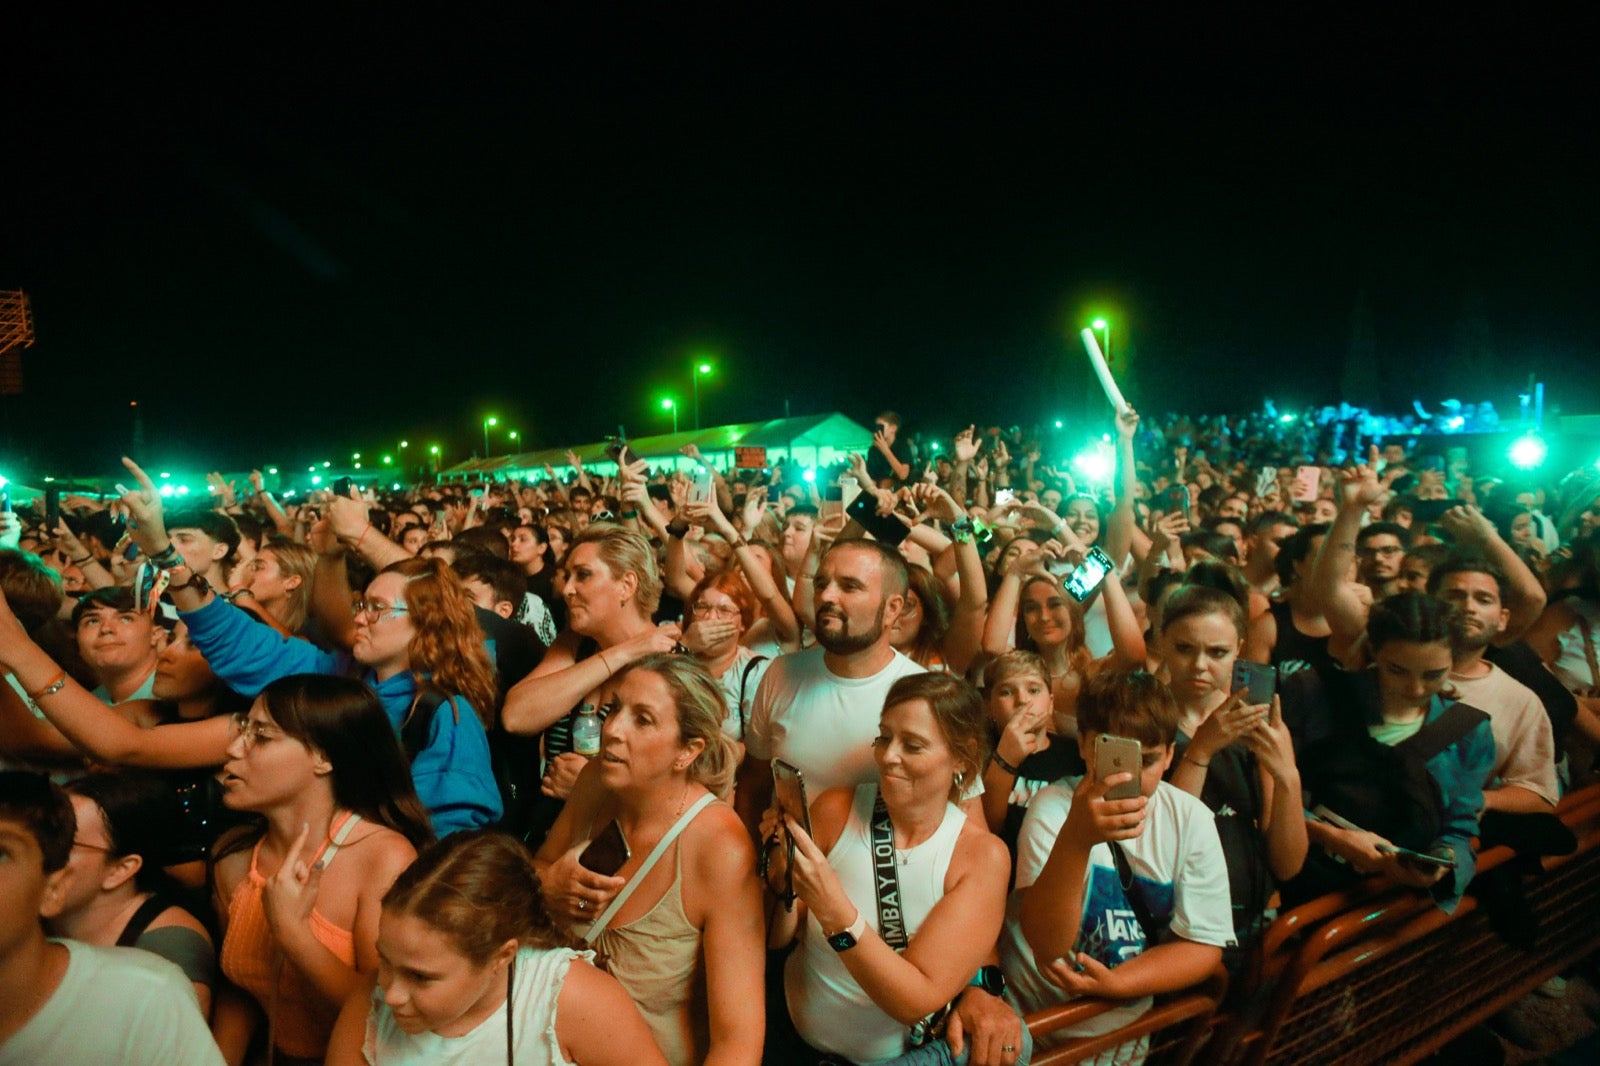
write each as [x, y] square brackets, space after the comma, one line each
[1081, 582]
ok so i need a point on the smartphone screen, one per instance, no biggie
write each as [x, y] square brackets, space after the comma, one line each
[1429, 511]
[1003, 497]
[1261, 681]
[341, 488]
[1081, 583]
[789, 790]
[701, 486]
[1118, 755]
[606, 853]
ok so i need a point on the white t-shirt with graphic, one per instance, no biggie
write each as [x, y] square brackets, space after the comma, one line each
[1178, 870]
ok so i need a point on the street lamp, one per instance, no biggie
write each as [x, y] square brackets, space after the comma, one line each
[699, 369]
[669, 404]
[1105, 328]
[487, 422]
[513, 436]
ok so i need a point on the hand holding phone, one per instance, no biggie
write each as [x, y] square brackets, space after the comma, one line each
[1260, 681]
[1118, 755]
[1081, 582]
[607, 853]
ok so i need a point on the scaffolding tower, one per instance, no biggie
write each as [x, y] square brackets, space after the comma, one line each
[16, 333]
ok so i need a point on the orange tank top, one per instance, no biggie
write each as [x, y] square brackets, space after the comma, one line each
[300, 1020]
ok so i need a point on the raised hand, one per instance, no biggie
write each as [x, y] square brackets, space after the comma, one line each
[144, 511]
[1359, 486]
[964, 446]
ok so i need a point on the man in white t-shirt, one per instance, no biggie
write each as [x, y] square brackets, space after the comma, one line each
[62, 1001]
[1077, 926]
[1524, 778]
[818, 709]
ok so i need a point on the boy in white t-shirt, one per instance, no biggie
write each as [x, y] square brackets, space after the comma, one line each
[62, 1001]
[1077, 926]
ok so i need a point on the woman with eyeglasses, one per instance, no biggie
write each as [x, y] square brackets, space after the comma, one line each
[721, 608]
[412, 637]
[298, 893]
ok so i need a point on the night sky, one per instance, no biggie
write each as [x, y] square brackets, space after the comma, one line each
[292, 239]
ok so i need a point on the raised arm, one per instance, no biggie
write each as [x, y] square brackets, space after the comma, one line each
[1331, 594]
[780, 614]
[1121, 527]
[964, 639]
[1525, 598]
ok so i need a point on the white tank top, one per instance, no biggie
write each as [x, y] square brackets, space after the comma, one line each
[830, 1010]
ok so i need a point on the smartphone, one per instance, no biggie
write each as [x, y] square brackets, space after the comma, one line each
[701, 486]
[1426, 512]
[1081, 583]
[341, 488]
[789, 790]
[1173, 499]
[1420, 861]
[1118, 755]
[607, 853]
[1267, 481]
[886, 528]
[5, 497]
[1260, 681]
[52, 509]
[832, 493]
[1307, 484]
[1003, 497]
[619, 452]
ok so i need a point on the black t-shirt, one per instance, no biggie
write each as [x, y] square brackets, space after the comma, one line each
[878, 467]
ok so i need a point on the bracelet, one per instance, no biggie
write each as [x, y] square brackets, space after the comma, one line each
[1000, 762]
[363, 536]
[167, 558]
[1190, 758]
[85, 559]
[603, 661]
[630, 514]
[56, 684]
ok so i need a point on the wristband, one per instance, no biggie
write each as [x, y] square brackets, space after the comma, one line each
[56, 684]
[363, 536]
[630, 514]
[1000, 762]
[79, 562]
[167, 558]
[1190, 758]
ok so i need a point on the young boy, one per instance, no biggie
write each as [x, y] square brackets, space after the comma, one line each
[62, 1001]
[1079, 926]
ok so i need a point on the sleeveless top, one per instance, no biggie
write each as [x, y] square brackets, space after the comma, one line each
[1295, 651]
[658, 961]
[558, 736]
[829, 1009]
[534, 991]
[300, 1020]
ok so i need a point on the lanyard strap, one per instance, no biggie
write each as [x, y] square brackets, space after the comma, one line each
[886, 878]
[660, 849]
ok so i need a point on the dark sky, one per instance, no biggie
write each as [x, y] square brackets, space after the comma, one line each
[292, 239]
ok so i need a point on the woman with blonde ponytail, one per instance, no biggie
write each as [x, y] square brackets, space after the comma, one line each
[679, 923]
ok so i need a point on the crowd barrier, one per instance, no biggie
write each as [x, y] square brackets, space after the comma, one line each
[1372, 975]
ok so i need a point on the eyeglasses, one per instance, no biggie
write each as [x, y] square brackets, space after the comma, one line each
[240, 725]
[703, 609]
[377, 610]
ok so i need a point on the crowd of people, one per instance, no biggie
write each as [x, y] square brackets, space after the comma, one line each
[746, 766]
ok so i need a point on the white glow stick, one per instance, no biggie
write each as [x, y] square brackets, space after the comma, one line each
[1107, 382]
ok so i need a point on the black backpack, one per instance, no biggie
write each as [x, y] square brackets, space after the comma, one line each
[1387, 790]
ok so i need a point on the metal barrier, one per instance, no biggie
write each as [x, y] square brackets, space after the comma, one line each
[1372, 974]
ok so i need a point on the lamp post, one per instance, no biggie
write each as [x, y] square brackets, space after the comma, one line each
[669, 404]
[695, 372]
[487, 422]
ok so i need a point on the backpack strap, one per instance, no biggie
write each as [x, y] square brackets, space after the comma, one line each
[419, 721]
[1130, 890]
[141, 919]
[744, 682]
[1457, 721]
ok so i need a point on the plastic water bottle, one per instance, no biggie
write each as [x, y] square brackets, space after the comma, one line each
[586, 732]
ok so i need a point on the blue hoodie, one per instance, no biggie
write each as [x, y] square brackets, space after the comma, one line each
[452, 773]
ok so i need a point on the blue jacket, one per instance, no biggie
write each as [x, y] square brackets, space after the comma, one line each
[452, 773]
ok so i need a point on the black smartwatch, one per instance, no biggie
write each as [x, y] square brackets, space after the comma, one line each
[845, 939]
[991, 979]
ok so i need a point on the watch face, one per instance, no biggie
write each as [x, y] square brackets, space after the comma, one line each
[842, 941]
[992, 980]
